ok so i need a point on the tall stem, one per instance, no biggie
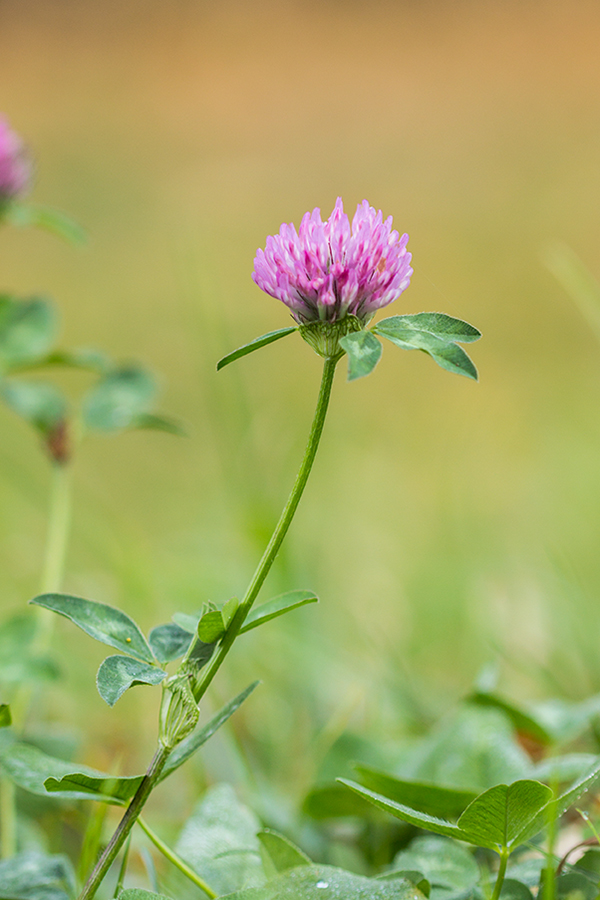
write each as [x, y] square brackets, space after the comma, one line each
[59, 519]
[145, 789]
[280, 531]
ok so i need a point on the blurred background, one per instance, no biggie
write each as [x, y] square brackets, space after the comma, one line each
[447, 524]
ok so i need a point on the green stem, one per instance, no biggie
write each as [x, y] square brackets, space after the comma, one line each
[145, 789]
[501, 874]
[176, 860]
[125, 825]
[59, 519]
[123, 869]
[279, 533]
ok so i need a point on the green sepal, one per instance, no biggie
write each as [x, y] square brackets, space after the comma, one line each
[256, 344]
[40, 404]
[277, 606]
[364, 352]
[435, 334]
[120, 399]
[5, 716]
[119, 673]
[102, 622]
[279, 853]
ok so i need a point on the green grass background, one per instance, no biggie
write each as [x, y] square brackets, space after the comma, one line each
[447, 523]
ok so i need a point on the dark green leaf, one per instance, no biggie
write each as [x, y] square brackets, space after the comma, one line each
[443, 351]
[169, 642]
[43, 405]
[412, 816]
[522, 721]
[102, 622]
[279, 854]
[119, 399]
[117, 790]
[278, 606]
[151, 422]
[118, 673]
[256, 344]
[432, 799]
[498, 817]
[34, 876]
[575, 886]
[328, 883]
[443, 862]
[364, 352]
[333, 801]
[27, 329]
[438, 324]
[189, 745]
[54, 221]
[5, 717]
[29, 768]
[219, 842]
[139, 894]
[211, 626]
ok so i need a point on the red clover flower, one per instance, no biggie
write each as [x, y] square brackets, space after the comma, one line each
[15, 165]
[328, 270]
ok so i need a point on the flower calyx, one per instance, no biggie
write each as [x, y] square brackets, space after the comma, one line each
[324, 337]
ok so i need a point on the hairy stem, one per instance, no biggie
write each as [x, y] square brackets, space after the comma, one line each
[126, 824]
[175, 859]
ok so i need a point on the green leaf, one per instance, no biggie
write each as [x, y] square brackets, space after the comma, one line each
[575, 886]
[403, 332]
[119, 399]
[117, 790]
[563, 802]
[189, 745]
[219, 842]
[522, 721]
[85, 358]
[152, 422]
[256, 344]
[140, 894]
[364, 352]
[443, 862]
[438, 324]
[40, 404]
[35, 876]
[412, 816]
[18, 659]
[27, 329]
[279, 854]
[211, 626]
[557, 770]
[187, 621]
[416, 878]
[104, 623]
[29, 768]
[498, 818]
[169, 642]
[328, 883]
[5, 717]
[432, 799]
[333, 801]
[514, 890]
[119, 673]
[278, 606]
[54, 221]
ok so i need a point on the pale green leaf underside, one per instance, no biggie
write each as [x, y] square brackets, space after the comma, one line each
[119, 673]
[35, 876]
[104, 623]
[256, 344]
[364, 352]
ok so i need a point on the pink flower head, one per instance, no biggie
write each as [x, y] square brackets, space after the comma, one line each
[328, 270]
[15, 165]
